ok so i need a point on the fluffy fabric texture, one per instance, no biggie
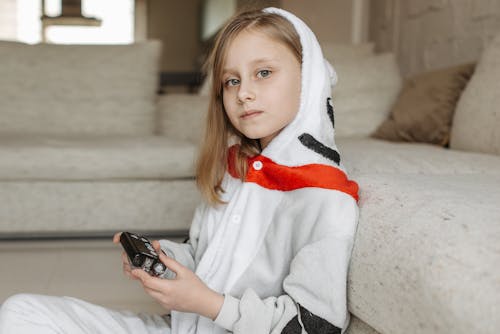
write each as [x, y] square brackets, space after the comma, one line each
[280, 248]
[286, 178]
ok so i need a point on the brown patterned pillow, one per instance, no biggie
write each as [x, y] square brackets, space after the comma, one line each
[424, 109]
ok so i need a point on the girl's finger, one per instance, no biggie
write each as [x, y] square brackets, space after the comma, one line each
[168, 261]
[156, 245]
[129, 274]
[149, 281]
[116, 237]
[125, 258]
[127, 268]
[140, 274]
[171, 264]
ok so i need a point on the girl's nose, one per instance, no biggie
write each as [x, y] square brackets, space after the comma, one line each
[246, 93]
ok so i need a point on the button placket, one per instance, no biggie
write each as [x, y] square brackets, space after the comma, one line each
[257, 165]
[235, 219]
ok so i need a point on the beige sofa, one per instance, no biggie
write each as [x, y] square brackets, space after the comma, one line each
[426, 254]
[82, 150]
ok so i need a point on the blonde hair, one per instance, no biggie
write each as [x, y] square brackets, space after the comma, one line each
[213, 155]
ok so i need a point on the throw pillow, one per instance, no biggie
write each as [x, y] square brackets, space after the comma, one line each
[476, 122]
[367, 88]
[424, 109]
[49, 89]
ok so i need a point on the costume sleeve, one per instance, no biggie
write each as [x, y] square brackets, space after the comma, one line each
[184, 252]
[315, 290]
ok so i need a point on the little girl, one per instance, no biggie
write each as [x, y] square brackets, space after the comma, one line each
[270, 246]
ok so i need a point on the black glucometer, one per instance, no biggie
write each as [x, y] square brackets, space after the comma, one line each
[141, 254]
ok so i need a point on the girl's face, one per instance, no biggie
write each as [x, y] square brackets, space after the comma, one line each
[261, 85]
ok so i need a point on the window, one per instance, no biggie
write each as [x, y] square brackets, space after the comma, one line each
[117, 25]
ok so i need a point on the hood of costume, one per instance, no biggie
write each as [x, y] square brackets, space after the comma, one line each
[302, 161]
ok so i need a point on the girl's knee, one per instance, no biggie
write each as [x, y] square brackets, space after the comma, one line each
[22, 313]
[21, 301]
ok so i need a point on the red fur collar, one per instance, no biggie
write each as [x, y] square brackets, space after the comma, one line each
[271, 175]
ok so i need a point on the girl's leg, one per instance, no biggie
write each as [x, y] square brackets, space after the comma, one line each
[26, 313]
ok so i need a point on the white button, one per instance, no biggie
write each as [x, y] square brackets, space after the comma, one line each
[236, 219]
[257, 165]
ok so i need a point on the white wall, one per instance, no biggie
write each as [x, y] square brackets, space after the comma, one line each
[334, 21]
[430, 34]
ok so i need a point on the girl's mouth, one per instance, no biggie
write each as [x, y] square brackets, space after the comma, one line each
[250, 114]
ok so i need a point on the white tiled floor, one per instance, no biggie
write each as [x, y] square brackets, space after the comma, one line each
[90, 270]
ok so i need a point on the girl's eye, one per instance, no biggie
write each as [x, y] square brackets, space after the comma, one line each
[232, 82]
[264, 73]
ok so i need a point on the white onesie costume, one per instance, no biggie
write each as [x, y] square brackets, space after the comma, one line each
[279, 250]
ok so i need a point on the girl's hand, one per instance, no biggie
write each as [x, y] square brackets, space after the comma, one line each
[127, 269]
[185, 293]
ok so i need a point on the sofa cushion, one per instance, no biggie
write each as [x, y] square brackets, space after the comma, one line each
[97, 158]
[477, 117]
[424, 109]
[369, 155]
[78, 89]
[426, 253]
[57, 208]
[364, 93]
